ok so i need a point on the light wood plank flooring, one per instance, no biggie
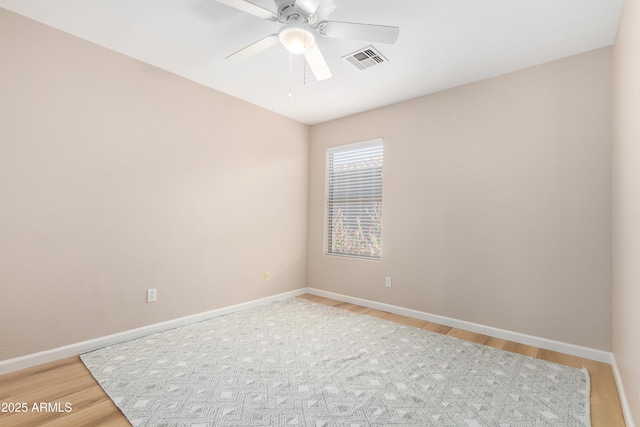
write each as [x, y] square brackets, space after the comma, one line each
[69, 381]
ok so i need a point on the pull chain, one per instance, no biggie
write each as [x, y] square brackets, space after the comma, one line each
[290, 75]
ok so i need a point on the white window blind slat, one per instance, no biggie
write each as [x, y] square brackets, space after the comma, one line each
[354, 199]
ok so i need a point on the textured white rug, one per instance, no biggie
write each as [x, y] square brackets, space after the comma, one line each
[295, 362]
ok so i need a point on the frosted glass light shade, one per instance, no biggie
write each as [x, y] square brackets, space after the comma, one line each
[296, 38]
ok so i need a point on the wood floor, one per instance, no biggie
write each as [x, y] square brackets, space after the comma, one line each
[72, 397]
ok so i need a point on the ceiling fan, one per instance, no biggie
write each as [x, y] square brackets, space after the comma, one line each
[300, 29]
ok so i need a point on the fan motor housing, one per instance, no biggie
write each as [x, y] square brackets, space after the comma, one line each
[287, 11]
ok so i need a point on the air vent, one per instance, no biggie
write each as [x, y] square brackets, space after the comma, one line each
[365, 58]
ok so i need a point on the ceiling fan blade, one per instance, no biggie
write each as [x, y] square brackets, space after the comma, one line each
[250, 8]
[325, 8]
[317, 63]
[366, 32]
[257, 47]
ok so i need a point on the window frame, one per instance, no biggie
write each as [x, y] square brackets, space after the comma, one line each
[329, 201]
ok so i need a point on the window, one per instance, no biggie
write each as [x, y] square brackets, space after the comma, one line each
[354, 199]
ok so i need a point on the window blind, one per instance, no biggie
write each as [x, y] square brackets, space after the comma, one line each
[354, 199]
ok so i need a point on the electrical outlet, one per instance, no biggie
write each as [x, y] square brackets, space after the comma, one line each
[267, 276]
[151, 295]
[388, 282]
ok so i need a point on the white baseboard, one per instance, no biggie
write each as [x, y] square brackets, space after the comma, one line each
[46, 356]
[572, 349]
[624, 402]
[22, 362]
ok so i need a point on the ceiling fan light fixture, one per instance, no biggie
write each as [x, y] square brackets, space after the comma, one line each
[296, 38]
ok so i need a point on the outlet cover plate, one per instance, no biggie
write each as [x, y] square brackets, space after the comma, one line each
[151, 295]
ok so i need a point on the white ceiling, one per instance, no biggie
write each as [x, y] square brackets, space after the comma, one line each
[442, 44]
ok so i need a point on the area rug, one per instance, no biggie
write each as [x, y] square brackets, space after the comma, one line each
[295, 362]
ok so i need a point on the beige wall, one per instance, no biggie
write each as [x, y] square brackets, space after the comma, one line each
[116, 177]
[497, 203]
[626, 203]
